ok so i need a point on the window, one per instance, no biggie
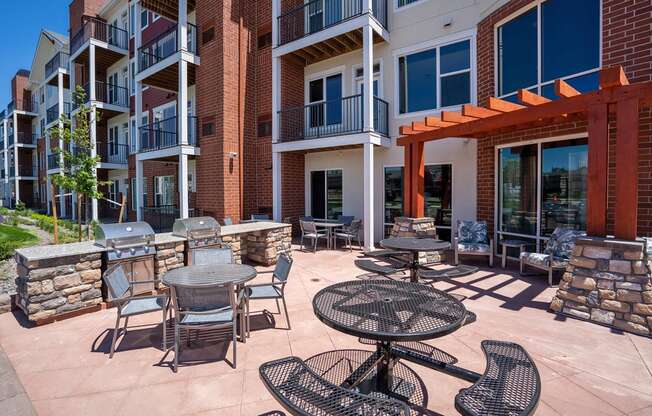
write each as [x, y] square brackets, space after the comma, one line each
[156, 17]
[393, 194]
[208, 129]
[559, 168]
[113, 191]
[325, 99]
[326, 193]
[163, 191]
[133, 143]
[132, 77]
[435, 78]
[265, 40]
[144, 18]
[132, 19]
[569, 35]
[401, 3]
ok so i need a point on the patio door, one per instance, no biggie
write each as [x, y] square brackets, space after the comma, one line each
[323, 13]
[326, 193]
[163, 191]
[113, 88]
[324, 110]
[360, 91]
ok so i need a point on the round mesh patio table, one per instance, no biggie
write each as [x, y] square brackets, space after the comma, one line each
[415, 245]
[209, 275]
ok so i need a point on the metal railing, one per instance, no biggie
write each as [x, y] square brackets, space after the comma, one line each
[162, 134]
[53, 161]
[108, 93]
[331, 118]
[22, 171]
[25, 138]
[165, 45]
[318, 15]
[10, 138]
[60, 60]
[99, 30]
[161, 218]
[52, 113]
[111, 152]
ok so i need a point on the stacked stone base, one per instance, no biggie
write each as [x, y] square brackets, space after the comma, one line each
[265, 246]
[169, 256]
[608, 282]
[418, 227]
[64, 285]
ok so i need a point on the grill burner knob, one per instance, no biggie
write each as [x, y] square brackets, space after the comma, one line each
[146, 248]
[132, 250]
[118, 253]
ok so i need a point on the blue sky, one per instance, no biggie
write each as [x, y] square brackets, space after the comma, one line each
[22, 23]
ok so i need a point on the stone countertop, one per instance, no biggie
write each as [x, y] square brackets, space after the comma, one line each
[252, 227]
[61, 250]
[164, 238]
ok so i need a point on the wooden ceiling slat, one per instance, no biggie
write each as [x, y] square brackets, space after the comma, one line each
[437, 122]
[496, 104]
[417, 126]
[613, 77]
[564, 90]
[455, 117]
[477, 112]
[529, 98]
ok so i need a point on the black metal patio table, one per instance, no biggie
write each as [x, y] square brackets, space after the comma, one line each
[387, 311]
[209, 275]
[415, 245]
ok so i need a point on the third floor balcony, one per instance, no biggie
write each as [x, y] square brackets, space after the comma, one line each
[112, 152]
[99, 30]
[165, 45]
[162, 134]
[108, 93]
[317, 16]
[59, 61]
[52, 114]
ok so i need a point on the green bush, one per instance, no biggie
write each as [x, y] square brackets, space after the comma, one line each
[7, 249]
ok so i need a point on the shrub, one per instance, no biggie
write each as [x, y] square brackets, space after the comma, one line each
[7, 248]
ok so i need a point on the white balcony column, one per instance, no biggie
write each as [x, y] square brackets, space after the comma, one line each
[368, 205]
[277, 190]
[48, 195]
[138, 38]
[5, 157]
[182, 27]
[182, 105]
[139, 190]
[368, 78]
[276, 97]
[15, 146]
[276, 11]
[183, 186]
[367, 6]
[93, 137]
[91, 73]
[62, 204]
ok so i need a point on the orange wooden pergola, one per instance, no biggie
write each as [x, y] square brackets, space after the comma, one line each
[615, 95]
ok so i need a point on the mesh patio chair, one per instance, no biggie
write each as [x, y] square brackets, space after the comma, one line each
[274, 290]
[122, 291]
[348, 233]
[260, 217]
[306, 218]
[228, 221]
[345, 219]
[309, 230]
[210, 308]
[208, 256]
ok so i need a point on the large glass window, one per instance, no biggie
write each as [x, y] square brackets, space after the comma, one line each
[326, 193]
[438, 77]
[568, 33]
[393, 193]
[560, 169]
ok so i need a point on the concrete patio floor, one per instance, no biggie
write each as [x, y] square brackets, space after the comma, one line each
[65, 370]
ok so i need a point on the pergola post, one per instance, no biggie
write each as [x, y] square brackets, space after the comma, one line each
[407, 180]
[596, 195]
[417, 177]
[626, 168]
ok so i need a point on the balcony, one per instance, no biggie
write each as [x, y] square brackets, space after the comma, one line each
[25, 138]
[161, 218]
[52, 114]
[164, 46]
[163, 134]
[10, 138]
[114, 153]
[108, 94]
[318, 15]
[23, 171]
[53, 161]
[99, 30]
[331, 118]
[59, 61]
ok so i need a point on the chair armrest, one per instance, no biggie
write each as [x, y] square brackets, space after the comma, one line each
[263, 284]
[206, 312]
[166, 297]
[140, 282]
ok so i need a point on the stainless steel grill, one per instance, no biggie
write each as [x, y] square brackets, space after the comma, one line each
[132, 245]
[199, 232]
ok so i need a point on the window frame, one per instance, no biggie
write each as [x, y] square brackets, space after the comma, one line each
[468, 35]
[143, 27]
[308, 179]
[398, 8]
[539, 85]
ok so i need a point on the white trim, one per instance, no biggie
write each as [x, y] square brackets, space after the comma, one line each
[332, 141]
[398, 9]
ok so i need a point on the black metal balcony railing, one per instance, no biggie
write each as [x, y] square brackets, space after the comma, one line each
[161, 218]
[318, 15]
[25, 138]
[99, 30]
[109, 93]
[52, 113]
[60, 60]
[53, 161]
[330, 118]
[163, 134]
[10, 107]
[22, 171]
[111, 152]
[165, 45]
[10, 138]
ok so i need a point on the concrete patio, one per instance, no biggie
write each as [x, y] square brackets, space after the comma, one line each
[65, 370]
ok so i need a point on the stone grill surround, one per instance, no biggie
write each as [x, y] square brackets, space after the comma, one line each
[608, 282]
[418, 227]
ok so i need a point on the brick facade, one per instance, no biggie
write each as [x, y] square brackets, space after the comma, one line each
[627, 41]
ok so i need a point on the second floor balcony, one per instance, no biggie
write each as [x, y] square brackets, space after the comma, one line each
[53, 161]
[52, 113]
[99, 30]
[59, 61]
[108, 93]
[317, 15]
[112, 152]
[331, 118]
[163, 134]
[164, 46]
[23, 171]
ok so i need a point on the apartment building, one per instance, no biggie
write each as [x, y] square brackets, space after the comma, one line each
[347, 74]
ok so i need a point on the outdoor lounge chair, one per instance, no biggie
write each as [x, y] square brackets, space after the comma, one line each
[348, 233]
[211, 308]
[309, 231]
[556, 255]
[208, 256]
[122, 291]
[274, 290]
[473, 239]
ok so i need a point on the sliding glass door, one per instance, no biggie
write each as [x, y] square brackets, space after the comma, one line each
[326, 193]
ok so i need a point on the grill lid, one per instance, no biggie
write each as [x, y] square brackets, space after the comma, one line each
[124, 234]
[197, 227]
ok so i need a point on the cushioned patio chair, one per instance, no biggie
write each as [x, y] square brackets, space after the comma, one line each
[309, 231]
[122, 291]
[472, 239]
[228, 221]
[556, 255]
[273, 290]
[208, 256]
[348, 233]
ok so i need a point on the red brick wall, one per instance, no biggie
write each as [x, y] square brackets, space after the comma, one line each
[79, 8]
[627, 41]
[19, 93]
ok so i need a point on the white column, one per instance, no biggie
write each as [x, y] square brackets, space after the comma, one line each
[368, 84]
[15, 146]
[91, 73]
[276, 97]
[6, 154]
[182, 105]
[62, 204]
[182, 27]
[71, 74]
[368, 206]
[93, 137]
[183, 186]
[367, 6]
[277, 194]
[139, 189]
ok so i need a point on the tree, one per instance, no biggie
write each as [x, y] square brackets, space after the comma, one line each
[79, 170]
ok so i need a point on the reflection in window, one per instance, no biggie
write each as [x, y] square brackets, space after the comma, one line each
[333, 193]
[393, 194]
[517, 53]
[518, 189]
[563, 185]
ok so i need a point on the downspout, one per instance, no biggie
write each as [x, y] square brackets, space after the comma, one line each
[241, 102]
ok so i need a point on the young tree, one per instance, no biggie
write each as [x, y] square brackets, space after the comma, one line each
[78, 173]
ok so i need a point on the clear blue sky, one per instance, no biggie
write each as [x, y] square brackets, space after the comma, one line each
[22, 22]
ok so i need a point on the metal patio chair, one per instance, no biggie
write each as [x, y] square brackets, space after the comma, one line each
[205, 309]
[345, 219]
[122, 291]
[260, 217]
[208, 256]
[274, 290]
[228, 221]
[472, 239]
[309, 230]
[348, 233]
[555, 256]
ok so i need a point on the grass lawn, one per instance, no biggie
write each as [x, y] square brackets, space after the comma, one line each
[12, 238]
